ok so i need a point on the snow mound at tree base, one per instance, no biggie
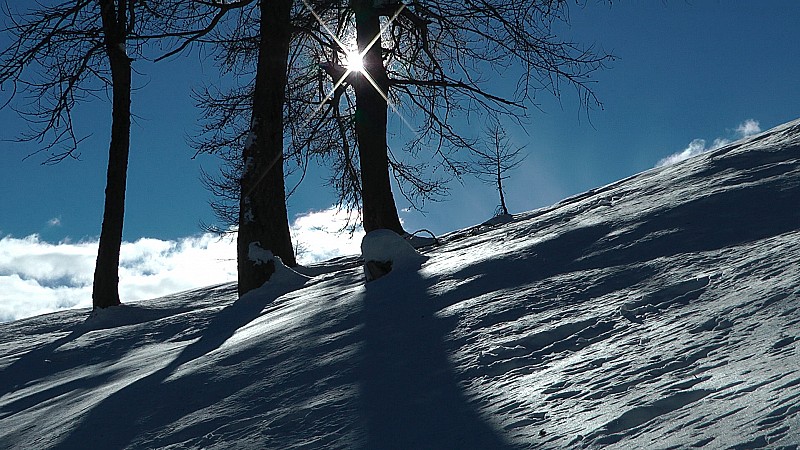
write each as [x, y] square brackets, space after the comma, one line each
[385, 251]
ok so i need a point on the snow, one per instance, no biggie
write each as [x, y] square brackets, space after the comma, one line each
[386, 245]
[258, 255]
[661, 311]
[283, 275]
[389, 250]
[248, 216]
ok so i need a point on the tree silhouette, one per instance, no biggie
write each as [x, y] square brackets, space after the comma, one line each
[494, 159]
[263, 220]
[66, 53]
[249, 40]
[437, 65]
[433, 65]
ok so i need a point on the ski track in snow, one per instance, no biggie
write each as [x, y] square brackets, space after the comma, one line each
[661, 311]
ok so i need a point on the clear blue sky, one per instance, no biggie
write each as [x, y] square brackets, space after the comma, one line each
[685, 70]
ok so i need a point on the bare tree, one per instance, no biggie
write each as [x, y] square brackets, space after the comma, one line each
[371, 86]
[226, 116]
[434, 64]
[494, 159]
[66, 53]
[263, 221]
[320, 119]
[249, 40]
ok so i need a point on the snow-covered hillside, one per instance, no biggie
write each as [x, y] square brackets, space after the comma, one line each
[662, 311]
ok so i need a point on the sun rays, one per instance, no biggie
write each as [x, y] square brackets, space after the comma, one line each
[354, 64]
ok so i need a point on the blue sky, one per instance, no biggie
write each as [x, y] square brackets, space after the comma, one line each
[685, 71]
[689, 75]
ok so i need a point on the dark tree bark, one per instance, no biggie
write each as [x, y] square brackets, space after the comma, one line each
[263, 218]
[105, 291]
[371, 88]
[499, 170]
[503, 208]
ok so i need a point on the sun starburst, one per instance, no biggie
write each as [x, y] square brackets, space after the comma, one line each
[354, 63]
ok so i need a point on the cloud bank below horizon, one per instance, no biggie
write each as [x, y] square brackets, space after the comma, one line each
[37, 277]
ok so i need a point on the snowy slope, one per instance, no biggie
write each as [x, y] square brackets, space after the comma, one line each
[662, 311]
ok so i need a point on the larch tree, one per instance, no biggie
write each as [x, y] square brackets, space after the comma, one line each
[437, 66]
[371, 85]
[263, 219]
[492, 161]
[60, 54]
[309, 132]
[434, 65]
[118, 20]
[249, 40]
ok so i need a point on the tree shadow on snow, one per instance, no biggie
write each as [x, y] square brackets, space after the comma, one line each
[50, 359]
[34, 365]
[147, 404]
[410, 394]
[729, 218]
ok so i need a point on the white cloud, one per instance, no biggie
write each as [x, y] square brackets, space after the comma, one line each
[321, 235]
[747, 128]
[152, 268]
[21, 298]
[37, 277]
[695, 147]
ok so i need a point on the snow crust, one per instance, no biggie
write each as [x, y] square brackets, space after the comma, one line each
[258, 255]
[660, 311]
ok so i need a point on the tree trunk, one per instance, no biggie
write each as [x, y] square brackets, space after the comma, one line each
[105, 291]
[502, 197]
[263, 218]
[379, 210]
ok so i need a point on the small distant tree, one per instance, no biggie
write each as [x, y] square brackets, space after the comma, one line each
[494, 159]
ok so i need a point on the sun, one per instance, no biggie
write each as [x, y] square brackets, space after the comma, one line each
[353, 62]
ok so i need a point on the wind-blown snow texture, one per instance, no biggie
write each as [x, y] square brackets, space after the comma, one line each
[662, 311]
